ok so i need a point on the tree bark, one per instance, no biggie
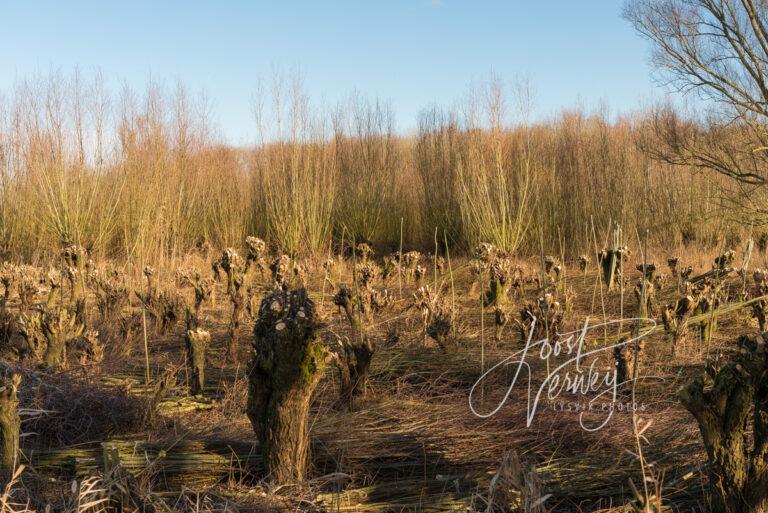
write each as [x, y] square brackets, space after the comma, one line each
[626, 357]
[738, 473]
[288, 363]
[238, 303]
[10, 425]
[196, 342]
[59, 328]
[608, 263]
[675, 319]
[357, 352]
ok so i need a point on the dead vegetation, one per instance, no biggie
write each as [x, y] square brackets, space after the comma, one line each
[354, 354]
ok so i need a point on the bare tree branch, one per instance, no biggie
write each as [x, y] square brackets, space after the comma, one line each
[719, 50]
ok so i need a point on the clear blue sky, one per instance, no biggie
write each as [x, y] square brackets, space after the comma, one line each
[413, 53]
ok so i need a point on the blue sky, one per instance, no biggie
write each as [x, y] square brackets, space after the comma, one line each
[413, 53]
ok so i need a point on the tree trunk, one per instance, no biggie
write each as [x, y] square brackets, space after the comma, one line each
[501, 318]
[738, 473]
[354, 369]
[758, 312]
[10, 425]
[196, 342]
[626, 357]
[81, 311]
[608, 265]
[54, 352]
[287, 365]
[498, 293]
[675, 319]
[357, 351]
[58, 327]
[238, 301]
[439, 329]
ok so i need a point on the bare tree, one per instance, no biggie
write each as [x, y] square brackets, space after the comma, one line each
[717, 49]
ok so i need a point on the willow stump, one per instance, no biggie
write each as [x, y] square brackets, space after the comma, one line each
[237, 297]
[10, 425]
[627, 357]
[738, 469]
[288, 363]
[610, 261]
[59, 328]
[195, 342]
[675, 319]
[356, 354]
[76, 259]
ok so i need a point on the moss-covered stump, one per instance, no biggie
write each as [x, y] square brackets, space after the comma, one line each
[288, 363]
[738, 469]
[501, 271]
[195, 342]
[500, 320]
[10, 424]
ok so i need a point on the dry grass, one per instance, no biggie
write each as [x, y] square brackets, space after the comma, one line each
[411, 443]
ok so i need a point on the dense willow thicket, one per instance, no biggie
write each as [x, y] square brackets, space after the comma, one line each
[145, 177]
